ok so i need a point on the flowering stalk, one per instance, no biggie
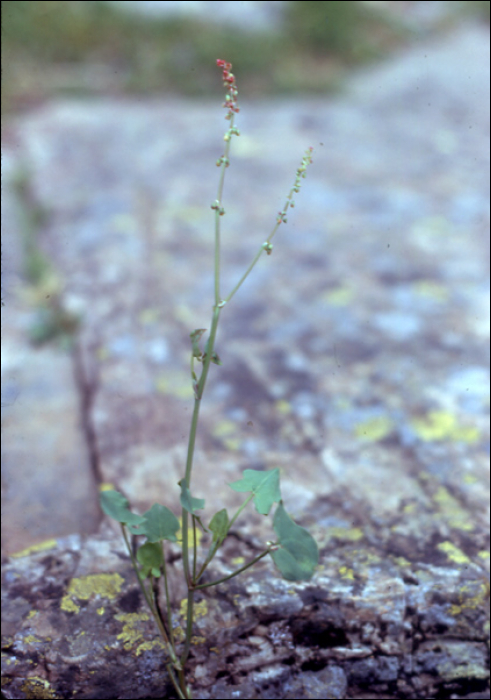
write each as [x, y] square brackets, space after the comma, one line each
[295, 552]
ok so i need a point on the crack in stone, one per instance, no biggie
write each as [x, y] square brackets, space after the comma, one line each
[87, 383]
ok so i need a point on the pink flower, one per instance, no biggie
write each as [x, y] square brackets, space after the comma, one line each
[231, 87]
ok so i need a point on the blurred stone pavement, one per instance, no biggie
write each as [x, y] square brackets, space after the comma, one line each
[355, 358]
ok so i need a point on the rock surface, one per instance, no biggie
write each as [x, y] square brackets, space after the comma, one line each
[354, 358]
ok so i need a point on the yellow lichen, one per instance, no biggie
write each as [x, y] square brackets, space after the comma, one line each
[148, 646]
[131, 634]
[442, 425]
[200, 609]
[453, 553]
[346, 534]
[432, 290]
[346, 573]
[83, 588]
[374, 429]
[68, 605]
[104, 585]
[451, 509]
[232, 444]
[402, 562]
[224, 431]
[283, 407]
[339, 296]
[36, 687]
[224, 428]
[199, 534]
[41, 547]
[470, 602]
[178, 385]
[149, 315]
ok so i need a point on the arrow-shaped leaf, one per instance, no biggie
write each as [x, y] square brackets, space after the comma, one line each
[264, 485]
[219, 525]
[298, 554]
[116, 506]
[188, 502]
[159, 523]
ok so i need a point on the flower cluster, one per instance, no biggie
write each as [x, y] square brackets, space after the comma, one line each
[301, 172]
[229, 84]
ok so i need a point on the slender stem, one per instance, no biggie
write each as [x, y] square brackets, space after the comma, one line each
[236, 573]
[192, 434]
[253, 263]
[213, 551]
[240, 509]
[167, 602]
[209, 353]
[189, 627]
[245, 275]
[217, 256]
[208, 559]
[192, 441]
[194, 548]
[217, 217]
[150, 603]
[178, 684]
[189, 466]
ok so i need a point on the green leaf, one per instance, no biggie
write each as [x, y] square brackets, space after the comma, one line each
[159, 524]
[219, 525]
[264, 485]
[116, 506]
[298, 554]
[187, 501]
[151, 559]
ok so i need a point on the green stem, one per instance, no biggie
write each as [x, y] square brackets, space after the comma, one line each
[189, 466]
[236, 573]
[195, 542]
[253, 263]
[150, 603]
[210, 345]
[167, 602]
[217, 218]
[245, 275]
[240, 509]
[189, 627]
[217, 544]
[192, 435]
[179, 685]
[199, 388]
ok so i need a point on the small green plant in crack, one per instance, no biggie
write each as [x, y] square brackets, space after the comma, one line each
[293, 550]
[51, 320]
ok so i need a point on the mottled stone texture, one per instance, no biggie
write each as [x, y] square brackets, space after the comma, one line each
[355, 359]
